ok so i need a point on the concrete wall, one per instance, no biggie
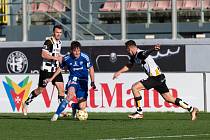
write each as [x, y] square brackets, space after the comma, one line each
[197, 58]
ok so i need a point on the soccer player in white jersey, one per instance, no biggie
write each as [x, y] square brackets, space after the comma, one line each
[156, 79]
[51, 56]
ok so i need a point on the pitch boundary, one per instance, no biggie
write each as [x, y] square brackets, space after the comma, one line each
[156, 137]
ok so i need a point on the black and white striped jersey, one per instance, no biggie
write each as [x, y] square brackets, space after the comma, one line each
[147, 62]
[54, 48]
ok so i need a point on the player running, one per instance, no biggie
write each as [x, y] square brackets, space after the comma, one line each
[51, 56]
[79, 65]
[156, 79]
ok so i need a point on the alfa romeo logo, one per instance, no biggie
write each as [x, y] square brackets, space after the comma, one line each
[113, 57]
[17, 62]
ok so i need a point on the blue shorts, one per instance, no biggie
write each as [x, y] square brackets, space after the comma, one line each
[81, 88]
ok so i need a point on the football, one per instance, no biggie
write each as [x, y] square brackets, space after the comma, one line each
[82, 115]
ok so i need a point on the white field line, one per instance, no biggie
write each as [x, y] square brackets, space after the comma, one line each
[157, 137]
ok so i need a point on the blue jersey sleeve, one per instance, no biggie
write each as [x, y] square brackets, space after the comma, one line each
[89, 63]
[63, 64]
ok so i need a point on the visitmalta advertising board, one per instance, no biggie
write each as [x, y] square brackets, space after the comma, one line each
[110, 95]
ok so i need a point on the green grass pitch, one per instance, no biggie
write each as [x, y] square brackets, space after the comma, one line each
[104, 126]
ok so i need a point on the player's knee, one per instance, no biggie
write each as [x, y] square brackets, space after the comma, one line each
[168, 97]
[82, 105]
[133, 87]
[136, 87]
[70, 96]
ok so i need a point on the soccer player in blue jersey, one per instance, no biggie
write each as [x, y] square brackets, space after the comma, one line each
[156, 79]
[79, 66]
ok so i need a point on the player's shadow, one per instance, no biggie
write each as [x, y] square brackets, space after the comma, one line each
[47, 118]
[108, 119]
[128, 119]
[4, 117]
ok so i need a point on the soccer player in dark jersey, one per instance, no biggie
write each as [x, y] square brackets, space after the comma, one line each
[79, 66]
[51, 56]
[156, 79]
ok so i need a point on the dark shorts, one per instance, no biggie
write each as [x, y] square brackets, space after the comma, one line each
[44, 75]
[156, 82]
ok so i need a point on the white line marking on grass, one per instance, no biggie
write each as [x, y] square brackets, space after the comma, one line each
[156, 137]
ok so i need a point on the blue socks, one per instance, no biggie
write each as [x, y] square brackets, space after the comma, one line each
[62, 106]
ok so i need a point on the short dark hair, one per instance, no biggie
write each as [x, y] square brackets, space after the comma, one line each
[57, 26]
[130, 43]
[74, 45]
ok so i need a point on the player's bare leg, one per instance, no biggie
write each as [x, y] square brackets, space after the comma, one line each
[82, 104]
[60, 88]
[137, 96]
[177, 101]
[194, 113]
[31, 96]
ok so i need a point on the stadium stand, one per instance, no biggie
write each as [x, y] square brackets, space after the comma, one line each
[33, 7]
[144, 5]
[102, 18]
[57, 6]
[117, 6]
[207, 4]
[47, 6]
[135, 6]
[108, 6]
[189, 4]
[162, 5]
[43, 7]
[155, 5]
[179, 4]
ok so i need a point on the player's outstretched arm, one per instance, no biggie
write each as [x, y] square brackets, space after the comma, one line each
[145, 54]
[92, 77]
[46, 81]
[123, 69]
